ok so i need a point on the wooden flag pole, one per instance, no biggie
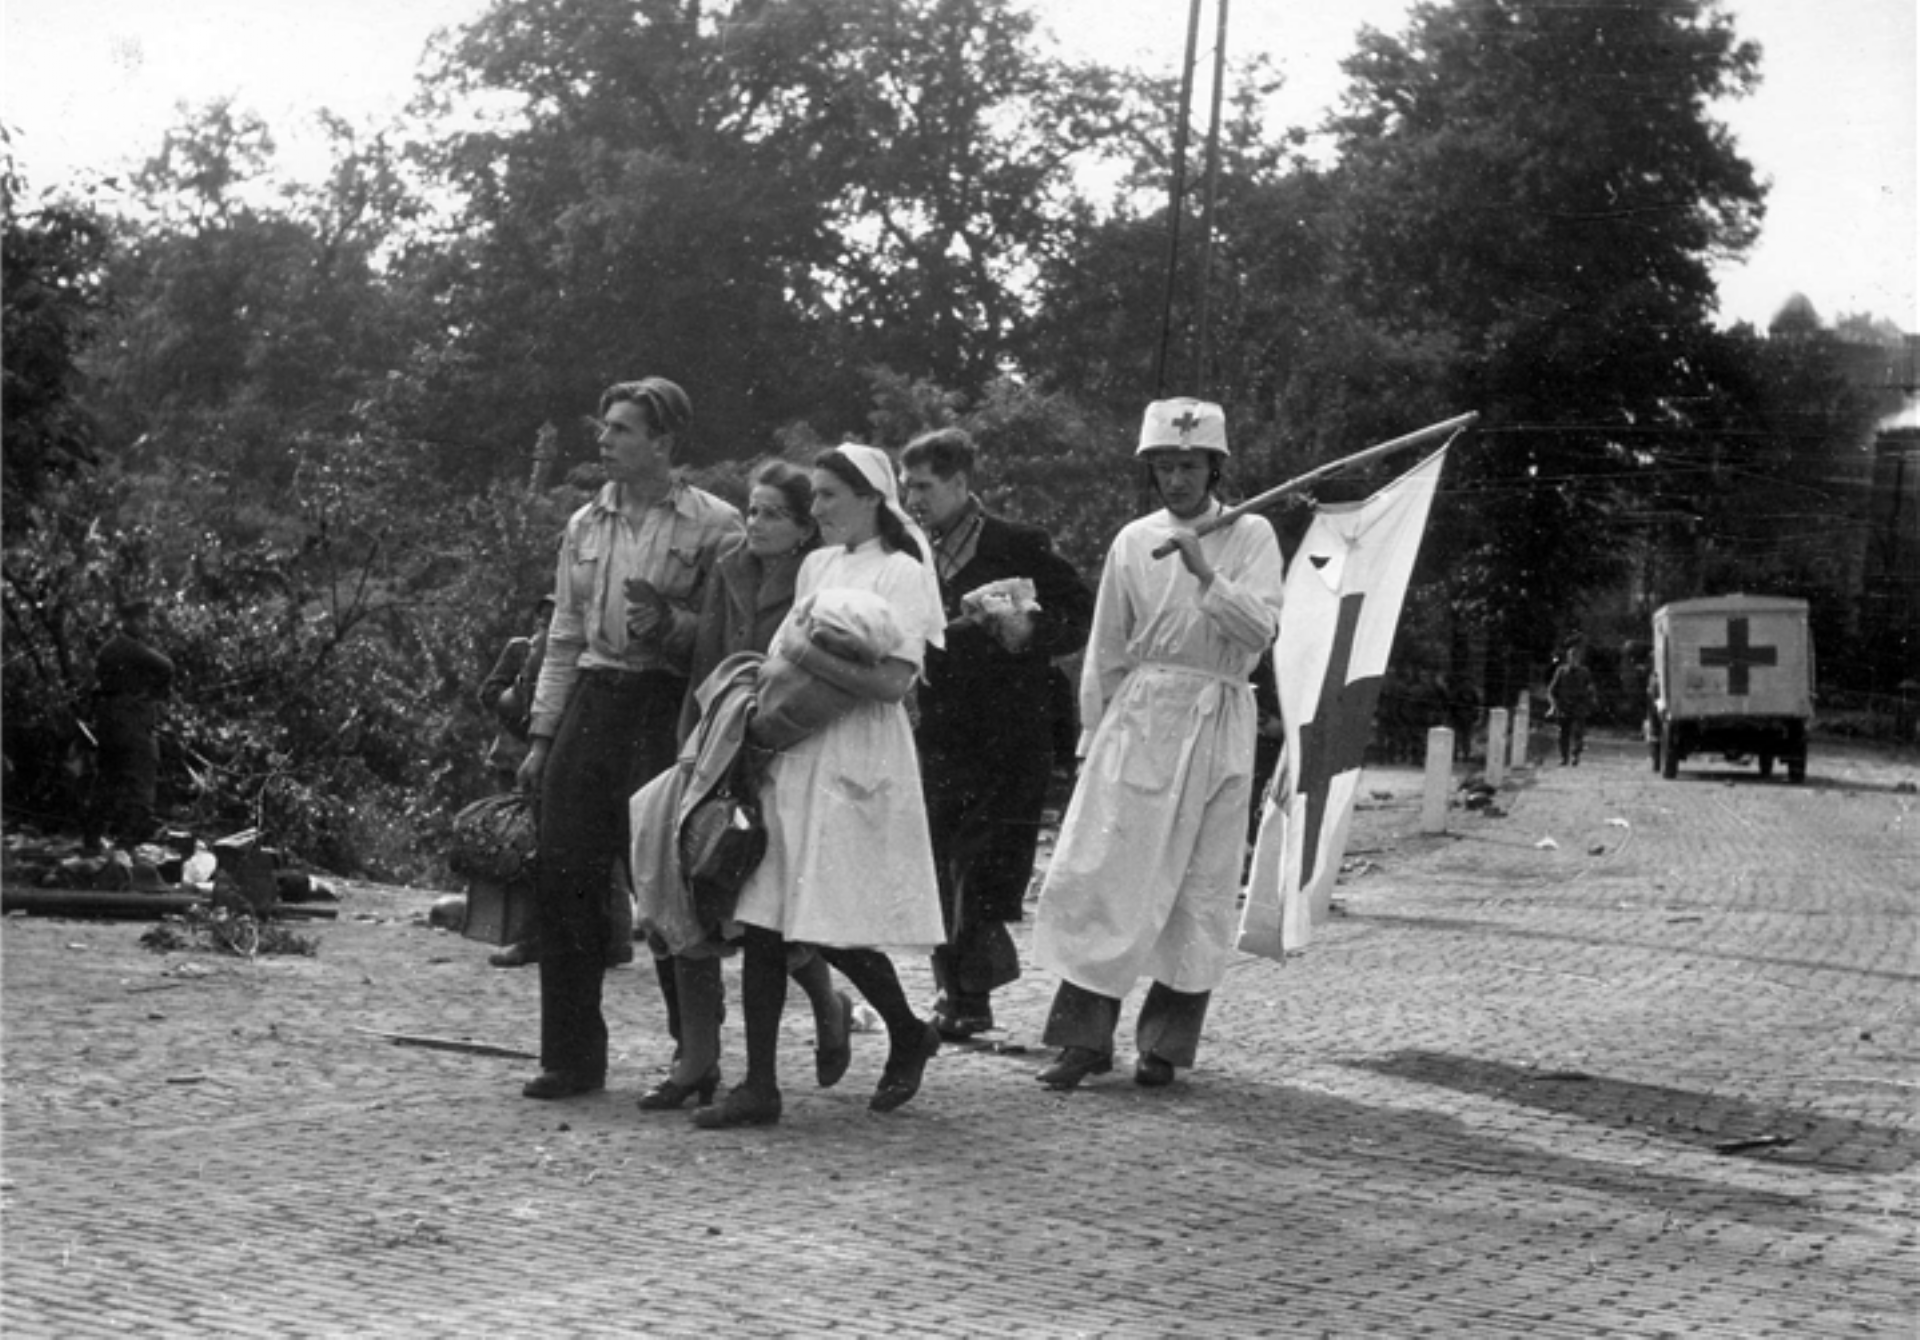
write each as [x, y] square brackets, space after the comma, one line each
[1459, 423]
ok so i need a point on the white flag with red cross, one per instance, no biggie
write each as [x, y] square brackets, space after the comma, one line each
[1344, 590]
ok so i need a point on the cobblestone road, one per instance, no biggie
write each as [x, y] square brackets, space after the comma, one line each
[1655, 1076]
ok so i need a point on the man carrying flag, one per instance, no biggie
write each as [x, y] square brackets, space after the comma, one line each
[1344, 590]
[1145, 879]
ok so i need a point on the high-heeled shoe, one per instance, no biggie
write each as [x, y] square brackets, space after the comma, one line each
[900, 1081]
[741, 1107]
[668, 1096]
[831, 1062]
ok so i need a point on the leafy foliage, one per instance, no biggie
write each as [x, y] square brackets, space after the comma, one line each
[631, 196]
[1772, 487]
[759, 205]
[298, 417]
[53, 302]
[247, 315]
[1532, 192]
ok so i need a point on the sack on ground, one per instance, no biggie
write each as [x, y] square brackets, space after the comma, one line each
[494, 838]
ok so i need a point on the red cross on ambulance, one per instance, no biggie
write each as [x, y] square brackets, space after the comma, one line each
[1738, 657]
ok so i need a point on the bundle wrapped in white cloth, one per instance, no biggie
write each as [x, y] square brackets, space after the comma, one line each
[1004, 608]
[852, 624]
[1009, 595]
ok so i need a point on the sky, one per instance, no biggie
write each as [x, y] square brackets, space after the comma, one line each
[91, 84]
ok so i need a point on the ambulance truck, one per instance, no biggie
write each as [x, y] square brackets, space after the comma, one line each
[1732, 675]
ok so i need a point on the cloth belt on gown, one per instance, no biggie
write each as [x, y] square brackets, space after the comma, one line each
[1217, 679]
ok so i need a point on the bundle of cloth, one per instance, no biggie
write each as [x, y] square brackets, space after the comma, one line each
[856, 626]
[767, 702]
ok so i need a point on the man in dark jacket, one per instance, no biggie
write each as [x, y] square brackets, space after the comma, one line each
[1569, 701]
[986, 730]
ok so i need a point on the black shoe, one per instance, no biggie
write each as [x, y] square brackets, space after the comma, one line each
[516, 955]
[563, 1084]
[830, 1061]
[1073, 1065]
[900, 1081]
[961, 1027]
[667, 1096]
[1150, 1072]
[741, 1107]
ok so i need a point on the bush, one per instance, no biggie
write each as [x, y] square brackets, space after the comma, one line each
[326, 656]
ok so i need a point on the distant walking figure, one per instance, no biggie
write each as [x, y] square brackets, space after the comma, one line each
[1569, 701]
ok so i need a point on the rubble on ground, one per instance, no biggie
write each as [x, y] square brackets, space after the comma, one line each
[61, 875]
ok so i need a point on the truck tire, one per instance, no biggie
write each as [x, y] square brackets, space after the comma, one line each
[1669, 750]
[1796, 753]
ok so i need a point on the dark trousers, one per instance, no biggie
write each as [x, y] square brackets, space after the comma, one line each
[983, 815]
[1573, 735]
[617, 733]
[1168, 1027]
[976, 959]
[127, 776]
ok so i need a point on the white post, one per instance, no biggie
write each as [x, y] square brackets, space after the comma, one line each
[1438, 784]
[1522, 730]
[1497, 746]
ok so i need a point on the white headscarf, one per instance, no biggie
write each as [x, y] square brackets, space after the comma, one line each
[877, 468]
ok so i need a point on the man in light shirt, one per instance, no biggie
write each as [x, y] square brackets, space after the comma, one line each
[606, 710]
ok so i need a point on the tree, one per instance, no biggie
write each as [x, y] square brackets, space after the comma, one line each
[55, 298]
[1097, 328]
[1795, 318]
[629, 198]
[323, 594]
[759, 204]
[1774, 482]
[57, 568]
[252, 313]
[965, 184]
[1535, 190]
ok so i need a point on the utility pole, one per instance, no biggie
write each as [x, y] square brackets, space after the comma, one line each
[1176, 204]
[1203, 305]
